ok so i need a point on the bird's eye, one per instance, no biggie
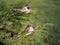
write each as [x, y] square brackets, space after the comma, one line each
[28, 7]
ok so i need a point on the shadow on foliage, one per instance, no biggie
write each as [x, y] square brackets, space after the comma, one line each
[2, 43]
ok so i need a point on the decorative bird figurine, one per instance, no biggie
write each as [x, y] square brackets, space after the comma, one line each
[25, 9]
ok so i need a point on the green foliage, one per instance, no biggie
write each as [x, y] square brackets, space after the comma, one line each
[44, 17]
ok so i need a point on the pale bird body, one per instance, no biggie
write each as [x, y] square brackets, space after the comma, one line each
[25, 9]
[29, 30]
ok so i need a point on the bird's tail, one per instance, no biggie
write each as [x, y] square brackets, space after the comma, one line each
[15, 9]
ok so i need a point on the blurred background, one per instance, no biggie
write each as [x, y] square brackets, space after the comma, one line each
[44, 17]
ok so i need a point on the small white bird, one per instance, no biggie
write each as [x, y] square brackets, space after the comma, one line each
[25, 9]
[29, 29]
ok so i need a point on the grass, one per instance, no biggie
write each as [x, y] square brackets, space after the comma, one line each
[44, 17]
